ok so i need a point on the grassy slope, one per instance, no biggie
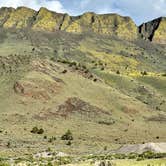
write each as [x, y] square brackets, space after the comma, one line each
[130, 97]
[130, 163]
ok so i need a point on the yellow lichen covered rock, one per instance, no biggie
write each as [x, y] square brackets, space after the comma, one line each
[160, 33]
[154, 30]
[81, 23]
[114, 24]
[19, 18]
[66, 21]
[111, 24]
[47, 20]
[4, 14]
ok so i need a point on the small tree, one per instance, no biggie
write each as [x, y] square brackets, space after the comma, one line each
[144, 73]
[67, 136]
[69, 143]
[34, 130]
[117, 72]
[40, 131]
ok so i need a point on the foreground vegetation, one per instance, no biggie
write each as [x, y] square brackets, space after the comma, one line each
[51, 159]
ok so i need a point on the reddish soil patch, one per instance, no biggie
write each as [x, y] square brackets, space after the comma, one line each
[76, 105]
[37, 89]
[130, 110]
[73, 106]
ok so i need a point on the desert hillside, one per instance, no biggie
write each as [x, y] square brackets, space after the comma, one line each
[100, 78]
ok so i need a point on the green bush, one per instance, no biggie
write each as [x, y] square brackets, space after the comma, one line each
[52, 139]
[64, 71]
[117, 72]
[144, 73]
[40, 131]
[35, 130]
[69, 143]
[67, 136]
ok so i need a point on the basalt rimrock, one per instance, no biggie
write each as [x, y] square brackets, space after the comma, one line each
[19, 18]
[4, 14]
[108, 24]
[154, 30]
[45, 20]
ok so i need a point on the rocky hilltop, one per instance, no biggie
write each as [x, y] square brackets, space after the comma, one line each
[110, 24]
[46, 20]
[154, 30]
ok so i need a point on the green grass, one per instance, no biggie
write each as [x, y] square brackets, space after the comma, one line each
[119, 97]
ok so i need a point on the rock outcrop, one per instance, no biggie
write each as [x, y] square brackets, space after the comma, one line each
[140, 148]
[45, 20]
[19, 18]
[154, 30]
[108, 24]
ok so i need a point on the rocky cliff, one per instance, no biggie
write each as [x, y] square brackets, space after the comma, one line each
[154, 30]
[109, 24]
[44, 19]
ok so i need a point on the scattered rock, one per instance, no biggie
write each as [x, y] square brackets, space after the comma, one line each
[140, 148]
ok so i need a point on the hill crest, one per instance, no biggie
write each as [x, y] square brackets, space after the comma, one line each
[108, 24]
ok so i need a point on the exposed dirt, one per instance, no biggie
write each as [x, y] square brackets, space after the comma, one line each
[72, 106]
[76, 105]
[37, 89]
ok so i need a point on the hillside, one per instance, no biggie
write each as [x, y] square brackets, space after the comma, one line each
[108, 87]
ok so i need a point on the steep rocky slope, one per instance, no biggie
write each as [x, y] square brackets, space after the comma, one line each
[154, 30]
[83, 82]
[111, 24]
[55, 74]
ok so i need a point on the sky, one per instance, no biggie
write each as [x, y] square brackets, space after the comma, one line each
[139, 10]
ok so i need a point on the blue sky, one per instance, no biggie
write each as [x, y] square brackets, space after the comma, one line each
[139, 10]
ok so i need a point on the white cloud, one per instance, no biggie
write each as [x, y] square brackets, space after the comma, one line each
[54, 5]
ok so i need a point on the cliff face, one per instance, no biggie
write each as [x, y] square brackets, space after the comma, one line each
[46, 20]
[109, 24]
[20, 18]
[154, 30]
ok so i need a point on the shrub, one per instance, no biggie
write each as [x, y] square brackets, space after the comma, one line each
[102, 68]
[69, 143]
[35, 130]
[107, 122]
[144, 73]
[67, 136]
[40, 131]
[164, 75]
[105, 148]
[95, 80]
[52, 139]
[8, 144]
[117, 72]
[64, 71]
